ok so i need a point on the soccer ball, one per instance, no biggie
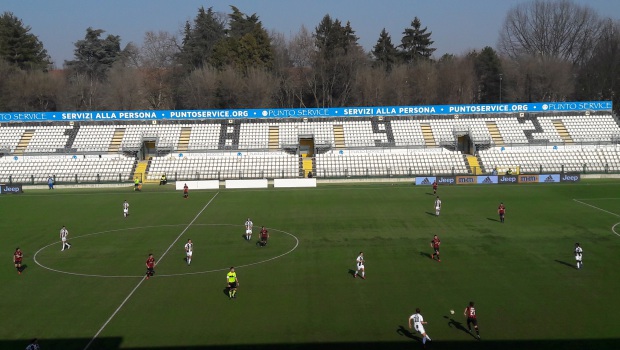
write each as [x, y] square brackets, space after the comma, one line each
[451, 312]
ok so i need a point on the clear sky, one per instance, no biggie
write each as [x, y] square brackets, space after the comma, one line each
[457, 26]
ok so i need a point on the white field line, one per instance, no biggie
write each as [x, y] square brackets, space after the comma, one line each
[595, 207]
[142, 280]
[613, 228]
[159, 275]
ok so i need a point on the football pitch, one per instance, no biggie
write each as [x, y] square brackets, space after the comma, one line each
[299, 291]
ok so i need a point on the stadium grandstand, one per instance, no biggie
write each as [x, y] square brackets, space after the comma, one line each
[93, 147]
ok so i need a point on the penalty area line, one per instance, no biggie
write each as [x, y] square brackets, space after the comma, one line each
[143, 279]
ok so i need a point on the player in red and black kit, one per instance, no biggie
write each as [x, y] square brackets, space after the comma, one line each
[264, 236]
[435, 243]
[435, 187]
[17, 260]
[150, 266]
[501, 210]
[185, 191]
[470, 313]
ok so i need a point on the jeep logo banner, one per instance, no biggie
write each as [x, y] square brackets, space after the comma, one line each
[11, 189]
[507, 179]
[446, 180]
[570, 177]
[425, 181]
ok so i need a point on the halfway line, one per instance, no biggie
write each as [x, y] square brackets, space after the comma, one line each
[143, 279]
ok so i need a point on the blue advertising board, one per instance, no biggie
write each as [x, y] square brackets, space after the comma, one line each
[283, 113]
[425, 180]
[487, 180]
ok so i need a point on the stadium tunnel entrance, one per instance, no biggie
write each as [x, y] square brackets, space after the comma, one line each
[148, 149]
[465, 144]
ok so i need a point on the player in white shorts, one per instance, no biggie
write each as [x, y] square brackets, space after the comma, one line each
[359, 262]
[189, 250]
[64, 234]
[125, 208]
[418, 323]
[437, 206]
[248, 229]
[578, 255]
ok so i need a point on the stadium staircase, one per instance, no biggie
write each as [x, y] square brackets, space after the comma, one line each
[561, 129]
[117, 139]
[274, 137]
[474, 165]
[24, 141]
[140, 172]
[184, 138]
[339, 136]
[498, 140]
[307, 165]
[427, 133]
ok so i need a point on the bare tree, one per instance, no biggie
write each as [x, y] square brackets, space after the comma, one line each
[199, 89]
[301, 48]
[157, 64]
[368, 86]
[532, 79]
[122, 90]
[554, 29]
[457, 80]
[260, 89]
[33, 91]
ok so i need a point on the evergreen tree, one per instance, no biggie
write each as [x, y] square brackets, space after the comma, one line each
[200, 39]
[20, 47]
[335, 63]
[94, 56]
[384, 52]
[416, 43]
[247, 44]
[488, 68]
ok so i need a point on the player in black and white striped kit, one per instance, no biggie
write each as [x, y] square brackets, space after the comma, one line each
[189, 251]
[125, 208]
[64, 234]
[578, 255]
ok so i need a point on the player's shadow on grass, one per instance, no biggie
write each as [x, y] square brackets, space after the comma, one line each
[402, 331]
[23, 267]
[352, 272]
[491, 219]
[430, 194]
[458, 325]
[426, 255]
[565, 263]
[431, 214]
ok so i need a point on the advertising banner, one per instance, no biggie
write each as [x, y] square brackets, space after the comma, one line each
[487, 180]
[466, 180]
[507, 179]
[549, 178]
[446, 180]
[425, 180]
[570, 177]
[282, 113]
[11, 189]
[527, 179]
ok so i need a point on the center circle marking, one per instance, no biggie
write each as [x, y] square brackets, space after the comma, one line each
[162, 275]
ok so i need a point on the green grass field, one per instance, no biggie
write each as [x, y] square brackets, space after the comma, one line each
[299, 292]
